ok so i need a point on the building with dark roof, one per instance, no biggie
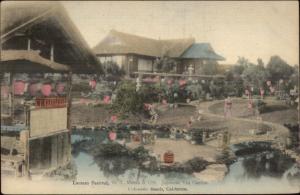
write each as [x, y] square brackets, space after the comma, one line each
[135, 53]
[39, 37]
[42, 37]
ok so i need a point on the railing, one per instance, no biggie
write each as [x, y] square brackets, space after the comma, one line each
[178, 75]
[51, 102]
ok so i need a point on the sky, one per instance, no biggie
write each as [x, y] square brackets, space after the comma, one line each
[253, 30]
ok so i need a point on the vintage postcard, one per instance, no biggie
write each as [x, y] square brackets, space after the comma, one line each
[161, 97]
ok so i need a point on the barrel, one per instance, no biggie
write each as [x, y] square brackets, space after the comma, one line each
[169, 157]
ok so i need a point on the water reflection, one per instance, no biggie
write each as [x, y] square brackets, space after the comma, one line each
[256, 162]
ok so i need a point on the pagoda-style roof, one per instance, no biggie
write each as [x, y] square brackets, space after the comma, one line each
[201, 51]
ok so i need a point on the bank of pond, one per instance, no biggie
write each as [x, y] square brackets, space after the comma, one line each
[251, 161]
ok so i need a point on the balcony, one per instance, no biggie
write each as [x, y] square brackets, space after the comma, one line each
[51, 102]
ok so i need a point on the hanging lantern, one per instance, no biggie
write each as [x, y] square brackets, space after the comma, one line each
[34, 88]
[147, 106]
[247, 92]
[60, 87]
[262, 91]
[93, 83]
[46, 89]
[106, 99]
[112, 135]
[113, 118]
[182, 82]
[19, 87]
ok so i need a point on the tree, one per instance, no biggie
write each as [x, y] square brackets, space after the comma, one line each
[256, 76]
[128, 100]
[240, 66]
[260, 62]
[294, 79]
[279, 69]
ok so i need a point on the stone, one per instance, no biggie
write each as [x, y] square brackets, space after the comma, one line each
[212, 173]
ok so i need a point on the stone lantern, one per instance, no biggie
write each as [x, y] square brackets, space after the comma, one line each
[190, 71]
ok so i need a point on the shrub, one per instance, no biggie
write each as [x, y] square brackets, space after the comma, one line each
[128, 100]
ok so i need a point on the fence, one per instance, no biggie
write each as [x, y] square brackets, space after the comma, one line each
[51, 102]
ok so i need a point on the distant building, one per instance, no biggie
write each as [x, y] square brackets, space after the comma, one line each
[135, 53]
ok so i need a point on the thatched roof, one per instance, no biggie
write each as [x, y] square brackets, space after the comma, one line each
[51, 19]
[201, 51]
[122, 43]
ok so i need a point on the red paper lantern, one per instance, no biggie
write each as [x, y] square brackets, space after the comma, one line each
[112, 135]
[147, 106]
[106, 99]
[247, 92]
[113, 118]
[33, 89]
[262, 91]
[182, 82]
[93, 83]
[19, 87]
[164, 101]
[60, 87]
[46, 89]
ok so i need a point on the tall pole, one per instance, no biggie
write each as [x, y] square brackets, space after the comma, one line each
[69, 105]
[298, 113]
[11, 96]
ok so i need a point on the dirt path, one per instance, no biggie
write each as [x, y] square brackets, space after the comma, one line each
[238, 124]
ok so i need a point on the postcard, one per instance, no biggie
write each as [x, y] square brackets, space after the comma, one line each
[140, 97]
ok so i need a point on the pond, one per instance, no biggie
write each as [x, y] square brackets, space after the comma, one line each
[258, 168]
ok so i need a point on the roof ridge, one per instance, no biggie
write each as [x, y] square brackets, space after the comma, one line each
[144, 37]
[132, 35]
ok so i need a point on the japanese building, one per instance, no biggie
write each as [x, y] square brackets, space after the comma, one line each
[38, 38]
[135, 53]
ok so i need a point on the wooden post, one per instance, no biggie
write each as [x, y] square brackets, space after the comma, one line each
[11, 97]
[52, 52]
[69, 106]
[204, 134]
[28, 44]
[69, 100]
[24, 137]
